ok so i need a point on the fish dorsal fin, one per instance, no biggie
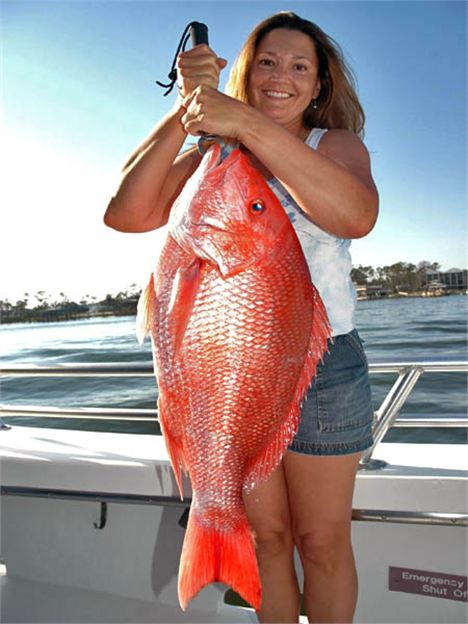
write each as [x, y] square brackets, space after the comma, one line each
[262, 465]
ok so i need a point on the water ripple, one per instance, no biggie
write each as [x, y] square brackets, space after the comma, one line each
[393, 330]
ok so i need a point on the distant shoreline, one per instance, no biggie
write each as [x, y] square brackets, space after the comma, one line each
[62, 318]
[423, 294]
[56, 316]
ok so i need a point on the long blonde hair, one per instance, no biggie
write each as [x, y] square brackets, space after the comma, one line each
[337, 104]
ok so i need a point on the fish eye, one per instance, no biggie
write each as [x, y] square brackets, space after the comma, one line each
[257, 206]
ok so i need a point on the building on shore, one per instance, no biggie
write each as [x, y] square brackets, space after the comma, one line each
[371, 291]
[454, 279]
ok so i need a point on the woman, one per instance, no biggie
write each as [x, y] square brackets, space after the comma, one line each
[291, 104]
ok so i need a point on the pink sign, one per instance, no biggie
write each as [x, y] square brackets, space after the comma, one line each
[435, 584]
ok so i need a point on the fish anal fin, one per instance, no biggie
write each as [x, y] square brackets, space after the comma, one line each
[184, 291]
[174, 446]
[261, 466]
[225, 555]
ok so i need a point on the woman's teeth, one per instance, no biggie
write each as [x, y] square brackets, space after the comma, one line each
[278, 94]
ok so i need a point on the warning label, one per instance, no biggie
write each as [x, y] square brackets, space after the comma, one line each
[435, 584]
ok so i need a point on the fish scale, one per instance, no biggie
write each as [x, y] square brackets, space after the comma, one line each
[237, 330]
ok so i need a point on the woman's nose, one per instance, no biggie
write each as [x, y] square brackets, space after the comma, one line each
[279, 70]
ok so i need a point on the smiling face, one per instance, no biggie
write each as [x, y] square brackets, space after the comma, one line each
[284, 77]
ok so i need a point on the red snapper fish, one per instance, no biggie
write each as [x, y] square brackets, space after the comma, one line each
[237, 329]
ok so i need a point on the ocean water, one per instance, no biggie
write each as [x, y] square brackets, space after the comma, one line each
[406, 329]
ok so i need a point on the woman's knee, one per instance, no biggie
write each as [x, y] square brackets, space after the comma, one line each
[273, 543]
[325, 547]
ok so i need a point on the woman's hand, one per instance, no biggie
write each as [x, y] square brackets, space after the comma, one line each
[211, 112]
[198, 66]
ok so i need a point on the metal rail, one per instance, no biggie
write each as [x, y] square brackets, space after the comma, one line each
[145, 369]
[408, 375]
[117, 369]
[91, 413]
[150, 415]
[386, 416]
[368, 515]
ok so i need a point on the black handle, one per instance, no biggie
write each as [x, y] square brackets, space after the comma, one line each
[198, 33]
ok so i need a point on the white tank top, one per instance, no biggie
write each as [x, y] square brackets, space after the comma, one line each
[328, 256]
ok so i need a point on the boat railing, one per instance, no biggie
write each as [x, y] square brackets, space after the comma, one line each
[387, 415]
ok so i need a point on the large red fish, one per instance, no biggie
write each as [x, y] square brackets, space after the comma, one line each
[237, 330]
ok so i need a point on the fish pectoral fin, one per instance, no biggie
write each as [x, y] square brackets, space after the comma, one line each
[184, 291]
[145, 310]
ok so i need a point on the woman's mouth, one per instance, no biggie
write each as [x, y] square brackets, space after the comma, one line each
[277, 95]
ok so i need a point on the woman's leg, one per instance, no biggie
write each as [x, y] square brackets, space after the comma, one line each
[320, 491]
[268, 514]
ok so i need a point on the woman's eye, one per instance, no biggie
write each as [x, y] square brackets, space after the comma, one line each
[300, 67]
[267, 62]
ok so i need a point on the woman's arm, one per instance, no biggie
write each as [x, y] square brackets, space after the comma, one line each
[152, 178]
[154, 175]
[332, 184]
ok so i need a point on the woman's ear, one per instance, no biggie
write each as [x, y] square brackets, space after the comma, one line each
[317, 89]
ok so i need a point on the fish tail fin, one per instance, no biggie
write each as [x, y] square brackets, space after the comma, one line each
[145, 310]
[213, 553]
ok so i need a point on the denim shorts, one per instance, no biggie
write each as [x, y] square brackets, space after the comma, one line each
[337, 415]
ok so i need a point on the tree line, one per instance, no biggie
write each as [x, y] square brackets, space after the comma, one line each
[398, 277]
[42, 306]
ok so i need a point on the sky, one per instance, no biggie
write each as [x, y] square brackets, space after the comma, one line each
[79, 94]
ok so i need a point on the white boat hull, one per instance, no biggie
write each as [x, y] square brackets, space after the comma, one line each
[61, 568]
